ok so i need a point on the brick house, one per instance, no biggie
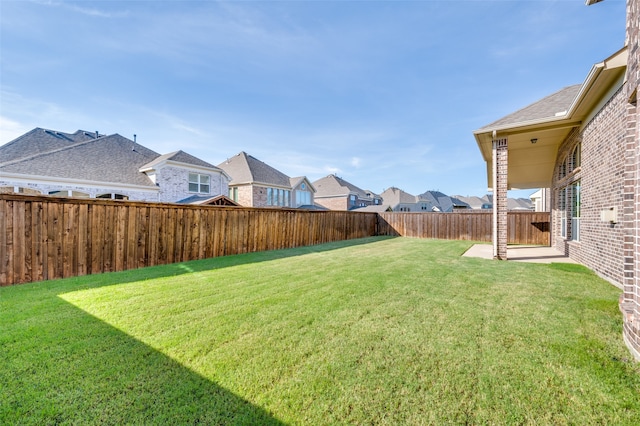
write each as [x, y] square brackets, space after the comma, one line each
[257, 184]
[335, 193]
[583, 143]
[90, 165]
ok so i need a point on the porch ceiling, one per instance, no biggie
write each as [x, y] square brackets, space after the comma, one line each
[531, 165]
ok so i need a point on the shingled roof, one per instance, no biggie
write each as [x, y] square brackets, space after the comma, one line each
[39, 141]
[179, 157]
[394, 196]
[244, 169]
[112, 158]
[332, 186]
[554, 105]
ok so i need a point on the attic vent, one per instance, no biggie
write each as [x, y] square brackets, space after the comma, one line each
[561, 113]
[53, 133]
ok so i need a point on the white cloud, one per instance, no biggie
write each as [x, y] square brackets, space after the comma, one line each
[356, 161]
[10, 129]
[87, 11]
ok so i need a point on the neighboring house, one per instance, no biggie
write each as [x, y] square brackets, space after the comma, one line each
[582, 142]
[430, 201]
[336, 193]
[91, 165]
[519, 204]
[399, 201]
[541, 200]
[436, 201]
[203, 200]
[256, 184]
[476, 203]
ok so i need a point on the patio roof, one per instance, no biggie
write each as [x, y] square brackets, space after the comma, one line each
[536, 131]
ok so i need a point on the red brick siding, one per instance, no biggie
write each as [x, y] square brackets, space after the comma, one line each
[602, 186]
[630, 303]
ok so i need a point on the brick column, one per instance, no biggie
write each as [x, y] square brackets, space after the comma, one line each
[500, 167]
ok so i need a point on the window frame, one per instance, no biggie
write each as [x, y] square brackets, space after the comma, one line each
[199, 183]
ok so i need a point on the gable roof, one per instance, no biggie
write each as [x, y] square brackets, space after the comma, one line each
[246, 169]
[112, 158]
[218, 200]
[475, 202]
[295, 181]
[179, 157]
[548, 107]
[441, 201]
[333, 186]
[394, 196]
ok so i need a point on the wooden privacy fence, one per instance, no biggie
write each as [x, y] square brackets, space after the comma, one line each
[44, 238]
[522, 227]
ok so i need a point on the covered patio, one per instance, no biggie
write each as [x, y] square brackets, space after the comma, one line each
[518, 253]
[521, 149]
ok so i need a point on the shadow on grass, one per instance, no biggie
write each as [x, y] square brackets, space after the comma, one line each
[62, 365]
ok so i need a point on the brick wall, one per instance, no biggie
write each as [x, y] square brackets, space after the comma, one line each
[601, 177]
[630, 302]
[174, 183]
[333, 203]
[245, 195]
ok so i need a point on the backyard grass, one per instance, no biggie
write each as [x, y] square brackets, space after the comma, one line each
[371, 331]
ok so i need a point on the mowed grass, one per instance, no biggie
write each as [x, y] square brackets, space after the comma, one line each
[372, 331]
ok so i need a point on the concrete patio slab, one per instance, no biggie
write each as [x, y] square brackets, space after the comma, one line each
[532, 254]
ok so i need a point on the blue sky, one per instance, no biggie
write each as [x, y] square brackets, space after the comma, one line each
[382, 93]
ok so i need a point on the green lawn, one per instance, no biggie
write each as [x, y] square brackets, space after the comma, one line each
[373, 331]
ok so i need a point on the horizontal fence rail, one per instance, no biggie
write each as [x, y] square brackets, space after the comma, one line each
[44, 238]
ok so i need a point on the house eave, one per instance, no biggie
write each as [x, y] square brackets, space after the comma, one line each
[23, 178]
[533, 144]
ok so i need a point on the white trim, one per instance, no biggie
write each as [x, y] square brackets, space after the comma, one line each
[33, 179]
[185, 166]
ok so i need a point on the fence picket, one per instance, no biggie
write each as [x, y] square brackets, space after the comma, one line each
[46, 238]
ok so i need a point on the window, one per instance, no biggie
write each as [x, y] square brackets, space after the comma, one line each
[303, 198]
[352, 200]
[575, 211]
[233, 194]
[69, 193]
[576, 157]
[278, 197]
[199, 183]
[562, 171]
[562, 207]
[113, 196]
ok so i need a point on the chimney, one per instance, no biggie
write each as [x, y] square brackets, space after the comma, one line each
[134, 137]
